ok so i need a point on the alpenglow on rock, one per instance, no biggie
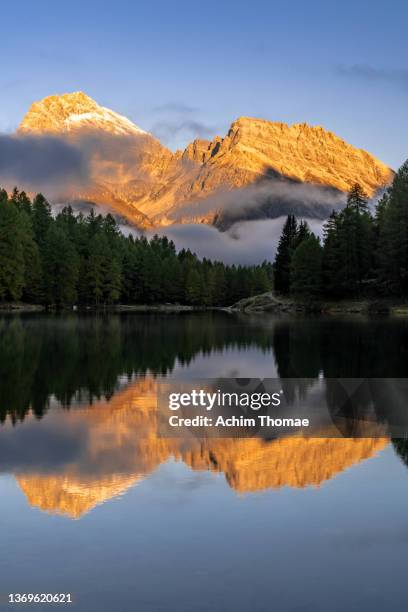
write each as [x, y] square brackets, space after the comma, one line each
[257, 170]
[56, 114]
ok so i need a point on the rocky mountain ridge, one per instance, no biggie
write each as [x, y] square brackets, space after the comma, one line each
[255, 171]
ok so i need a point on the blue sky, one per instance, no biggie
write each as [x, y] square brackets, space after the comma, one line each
[187, 69]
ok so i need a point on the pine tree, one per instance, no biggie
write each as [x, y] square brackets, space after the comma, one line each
[348, 247]
[67, 220]
[130, 271]
[357, 199]
[97, 268]
[306, 268]
[284, 253]
[381, 254]
[61, 267]
[220, 285]
[331, 255]
[302, 233]
[172, 281]
[260, 280]
[393, 230]
[113, 281]
[24, 203]
[194, 287]
[12, 268]
[41, 215]
[357, 202]
[348, 272]
[33, 279]
[150, 276]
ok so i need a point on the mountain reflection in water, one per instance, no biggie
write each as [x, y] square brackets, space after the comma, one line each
[110, 446]
[78, 398]
[71, 358]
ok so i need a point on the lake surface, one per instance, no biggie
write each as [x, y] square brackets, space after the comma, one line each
[93, 503]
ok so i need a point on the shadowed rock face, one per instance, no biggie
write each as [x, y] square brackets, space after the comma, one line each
[141, 179]
[120, 447]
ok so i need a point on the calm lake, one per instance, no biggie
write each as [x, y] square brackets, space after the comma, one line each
[94, 503]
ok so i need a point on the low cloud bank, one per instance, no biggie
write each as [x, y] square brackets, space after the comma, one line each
[59, 165]
[32, 162]
[271, 198]
[247, 242]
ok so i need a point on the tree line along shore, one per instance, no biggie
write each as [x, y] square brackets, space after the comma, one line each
[86, 261]
[363, 254]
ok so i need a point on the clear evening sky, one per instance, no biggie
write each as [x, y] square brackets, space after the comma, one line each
[187, 69]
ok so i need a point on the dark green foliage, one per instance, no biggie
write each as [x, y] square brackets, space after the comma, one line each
[293, 234]
[362, 255]
[357, 199]
[392, 235]
[306, 267]
[331, 249]
[348, 247]
[86, 261]
[33, 280]
[302, 233]
[287, 243]
[60, 268]
[12, 268]
[102, 272]
[41, 219]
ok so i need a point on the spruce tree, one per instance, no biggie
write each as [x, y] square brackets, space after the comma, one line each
[24, 203]
[97, 269]
[357, 199]
[348, 272]
[348, 247]
[331, 255]
[220, 285]
[287, 243]
[194, 287]
[12, 268]
[302, 233]
[41, 215]
[33, 278]
[260, 280]
[61, 268]
[113, 281]
[306, 268]
[393, 230]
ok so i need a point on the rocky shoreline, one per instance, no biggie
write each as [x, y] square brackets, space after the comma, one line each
[269, 302]
[263, 303]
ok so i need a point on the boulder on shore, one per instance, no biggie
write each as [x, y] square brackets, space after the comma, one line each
[268, 302]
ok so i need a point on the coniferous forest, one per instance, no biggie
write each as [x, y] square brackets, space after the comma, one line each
[364, 253]
[86, 261]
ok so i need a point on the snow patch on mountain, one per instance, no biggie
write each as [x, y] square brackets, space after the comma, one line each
[67, 112]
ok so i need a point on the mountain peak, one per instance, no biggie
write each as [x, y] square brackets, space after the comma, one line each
[73, 111]
[152, 186]
[302, 152]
